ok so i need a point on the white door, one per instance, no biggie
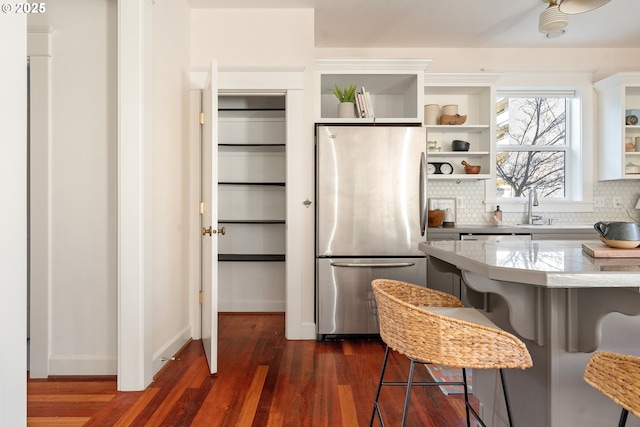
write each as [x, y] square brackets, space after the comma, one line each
[209, 219]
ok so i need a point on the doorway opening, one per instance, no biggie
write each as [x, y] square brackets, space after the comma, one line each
[252, 202]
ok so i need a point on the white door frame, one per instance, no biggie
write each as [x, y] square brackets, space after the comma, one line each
[39, 52]
[13, 219]
[135, 106]
[288, 80]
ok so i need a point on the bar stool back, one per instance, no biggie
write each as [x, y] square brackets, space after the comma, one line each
[617, 376]
[408, 326]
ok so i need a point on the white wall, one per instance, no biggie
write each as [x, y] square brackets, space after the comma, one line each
[252, 37]
[170, 175]
[82, 185]
[13, 219]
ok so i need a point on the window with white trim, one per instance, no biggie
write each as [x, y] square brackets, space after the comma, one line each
[540, 144]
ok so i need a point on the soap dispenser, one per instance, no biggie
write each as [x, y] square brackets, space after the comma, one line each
[497, 215]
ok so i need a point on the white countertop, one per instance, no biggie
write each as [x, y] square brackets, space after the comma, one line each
[546, 263]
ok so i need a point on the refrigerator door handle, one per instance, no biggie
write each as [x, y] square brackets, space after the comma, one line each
[373, 264]
[423, 193]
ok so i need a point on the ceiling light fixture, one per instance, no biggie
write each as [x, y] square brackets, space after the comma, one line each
[572, 7]
[552, 21]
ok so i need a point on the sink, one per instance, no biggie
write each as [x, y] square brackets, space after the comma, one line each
[563, 226]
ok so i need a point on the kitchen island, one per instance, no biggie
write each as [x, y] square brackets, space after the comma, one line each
[564, 305]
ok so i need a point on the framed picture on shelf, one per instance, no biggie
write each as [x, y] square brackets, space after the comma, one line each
[448, 206]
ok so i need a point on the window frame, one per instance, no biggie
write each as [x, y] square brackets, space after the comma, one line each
[579, 166]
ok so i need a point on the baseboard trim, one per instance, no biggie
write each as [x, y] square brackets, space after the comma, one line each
[171, 348]
[252, 306]
[82, 365]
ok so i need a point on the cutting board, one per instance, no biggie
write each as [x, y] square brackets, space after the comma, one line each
[600, 250]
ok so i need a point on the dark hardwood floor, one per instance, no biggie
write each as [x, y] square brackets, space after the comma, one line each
[263, 381]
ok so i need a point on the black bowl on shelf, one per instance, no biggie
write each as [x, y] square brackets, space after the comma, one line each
[459, 145]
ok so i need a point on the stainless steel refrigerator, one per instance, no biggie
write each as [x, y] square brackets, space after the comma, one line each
[370, 216]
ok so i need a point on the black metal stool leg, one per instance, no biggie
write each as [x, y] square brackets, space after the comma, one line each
[466, 396]
[468, 408]
[506, 397]
[623, 418]
[467, 405]
[376, 408]
[408, 395]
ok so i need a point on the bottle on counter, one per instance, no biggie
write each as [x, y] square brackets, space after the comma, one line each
[449, 220]
[497, 215]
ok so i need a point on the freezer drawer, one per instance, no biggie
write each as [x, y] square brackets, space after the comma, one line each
[344, 299]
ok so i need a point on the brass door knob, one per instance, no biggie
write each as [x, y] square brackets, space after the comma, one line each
[211, 231]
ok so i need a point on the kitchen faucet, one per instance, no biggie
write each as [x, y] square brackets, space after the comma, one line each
[533, 201]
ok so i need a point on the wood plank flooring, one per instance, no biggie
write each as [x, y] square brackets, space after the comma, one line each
[263, 381]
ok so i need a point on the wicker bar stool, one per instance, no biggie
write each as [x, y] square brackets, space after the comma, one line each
[617, 376]
[412, 323]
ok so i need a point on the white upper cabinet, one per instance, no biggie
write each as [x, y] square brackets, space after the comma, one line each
[618, 127]
[474, 96]
[394, 87]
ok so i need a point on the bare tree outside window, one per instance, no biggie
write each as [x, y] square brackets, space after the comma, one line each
[531, 146]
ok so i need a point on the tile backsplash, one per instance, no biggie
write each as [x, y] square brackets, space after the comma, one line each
[472, 212]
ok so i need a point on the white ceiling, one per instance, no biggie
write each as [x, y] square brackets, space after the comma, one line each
[453, 23]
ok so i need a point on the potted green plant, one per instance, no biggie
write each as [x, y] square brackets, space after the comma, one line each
[347, 97]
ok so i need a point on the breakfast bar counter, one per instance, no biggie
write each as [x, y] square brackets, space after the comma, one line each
[564, 304]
